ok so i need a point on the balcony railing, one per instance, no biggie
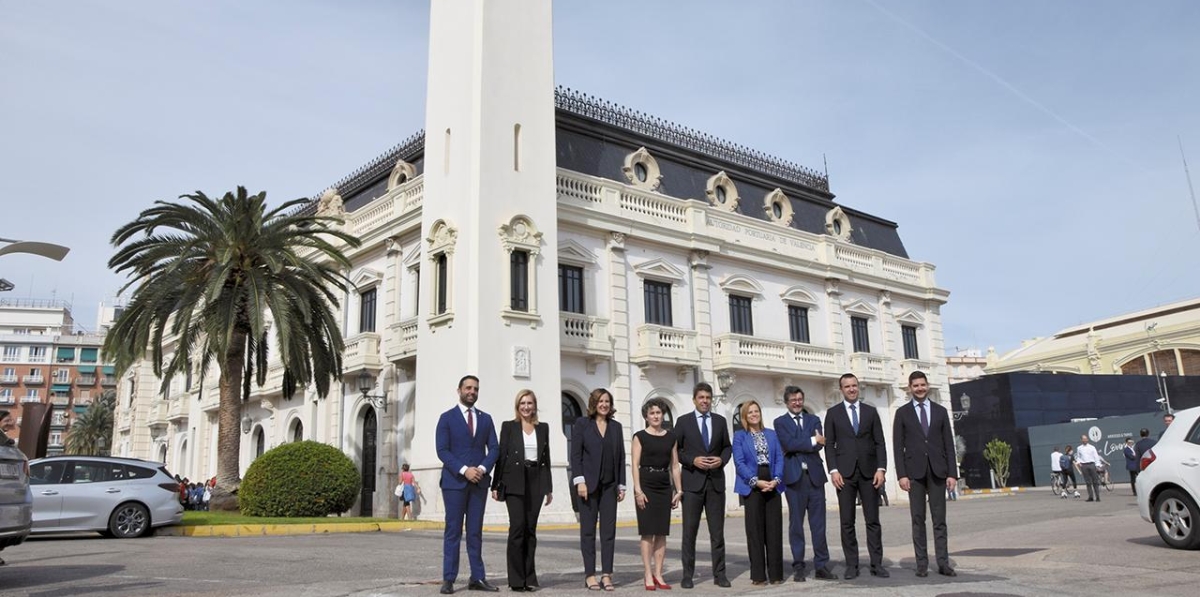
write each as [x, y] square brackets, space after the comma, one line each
[8, 379]
[402, 342]
[85, 380]
[177, 409]
[60, 400]
[870, 367]
[31, 398]
[738, 352]
[34, 380]
[108, 380]
[907, 366]
[7, 400]
[660, 344]
[157, 415]
[362, 353]
[584, 334]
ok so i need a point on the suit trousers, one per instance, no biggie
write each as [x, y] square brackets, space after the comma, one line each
[467, 503]
[931, 490]
[764, 533]
[711, 503]
[603, 505]
[805, 499]
[523, 511]
[1091, 477]
[1133, 480]
[858, 486]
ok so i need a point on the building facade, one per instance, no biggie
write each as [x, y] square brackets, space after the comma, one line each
[47, 361]
[538, 237]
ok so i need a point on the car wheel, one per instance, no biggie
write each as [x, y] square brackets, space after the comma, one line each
[129, 520]
[1175, 517]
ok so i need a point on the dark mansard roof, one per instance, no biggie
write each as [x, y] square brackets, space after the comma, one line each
[594, 136]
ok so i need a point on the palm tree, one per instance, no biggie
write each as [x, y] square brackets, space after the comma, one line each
[206, 272]
[92, 430]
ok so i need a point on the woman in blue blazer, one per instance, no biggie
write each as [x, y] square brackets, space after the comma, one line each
[758, 461]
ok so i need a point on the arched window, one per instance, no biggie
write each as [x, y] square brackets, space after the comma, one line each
[668, 419]
[570, 412]
[297, 431]
[260, 442]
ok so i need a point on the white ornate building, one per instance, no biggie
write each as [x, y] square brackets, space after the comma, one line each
[541, 238]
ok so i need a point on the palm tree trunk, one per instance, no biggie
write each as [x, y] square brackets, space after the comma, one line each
[229, 426]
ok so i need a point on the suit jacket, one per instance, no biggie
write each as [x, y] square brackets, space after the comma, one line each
[845, 450]
[510, 466]
[745, 460]
[1142, 445]
[587, 446]
[456, 447]
[1133, 462]
[798, 448]
[919, 455]
[691, 445]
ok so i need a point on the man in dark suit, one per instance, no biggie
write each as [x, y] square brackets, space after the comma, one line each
[1145, 442]
[924, 448]
[466, 445]
[704, 450]
[801, 437]
[857, 457]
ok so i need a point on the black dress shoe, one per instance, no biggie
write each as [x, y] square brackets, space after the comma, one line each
[824, 574]
[922, 572]
[851, 573]
[447, 587]
[879, 571]
[722, 582]
[946, 571]
[532, 588]
[686, 583]
[480, 585]
[798, 576]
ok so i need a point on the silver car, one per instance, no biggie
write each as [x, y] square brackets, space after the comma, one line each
[16, 503]
[119, 497]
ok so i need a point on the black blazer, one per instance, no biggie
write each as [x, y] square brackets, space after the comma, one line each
[510, 468]
[691, 445]
[844, 451]
[586, 447]
[918, 455]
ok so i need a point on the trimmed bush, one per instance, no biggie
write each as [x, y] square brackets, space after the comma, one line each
[299, 479]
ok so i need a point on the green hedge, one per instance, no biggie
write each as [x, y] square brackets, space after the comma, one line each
[299, 479]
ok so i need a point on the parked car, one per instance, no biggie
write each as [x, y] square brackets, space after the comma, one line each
[16, 502]
[1168, 487]
[119, 497]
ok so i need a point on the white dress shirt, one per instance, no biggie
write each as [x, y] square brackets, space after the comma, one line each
[1087, 454]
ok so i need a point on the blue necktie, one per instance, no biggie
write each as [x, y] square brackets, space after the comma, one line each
[704, 429]
[854, 417]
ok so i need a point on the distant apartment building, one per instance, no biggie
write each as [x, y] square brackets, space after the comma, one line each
[45, 359]
[965, 365]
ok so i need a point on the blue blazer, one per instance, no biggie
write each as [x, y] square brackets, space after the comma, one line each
[745, 461]
[798, 447]
[456, 448]
[586, 452]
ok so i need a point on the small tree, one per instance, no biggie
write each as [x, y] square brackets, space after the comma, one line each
[998, 454]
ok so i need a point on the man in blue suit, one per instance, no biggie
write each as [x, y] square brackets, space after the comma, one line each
[467, 447]
[802, 439]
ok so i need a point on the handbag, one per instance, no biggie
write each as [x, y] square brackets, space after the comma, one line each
[399, 491]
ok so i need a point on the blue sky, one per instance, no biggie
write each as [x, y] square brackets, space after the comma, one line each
[1026, 148]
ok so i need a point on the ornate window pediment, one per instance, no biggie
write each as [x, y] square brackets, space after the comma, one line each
[442, 238]
[911, 317]
[412, 260]
[401, 173]
[520, 233]
[741, 284]
[641, 170]
[571, 252]
[659, 269]
[862, 308]
[365, 277]
[721, 192]
[799, 295]
[837, 224]
[778, 207]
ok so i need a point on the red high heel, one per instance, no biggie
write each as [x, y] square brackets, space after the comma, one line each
[658, 583]
[649, 587]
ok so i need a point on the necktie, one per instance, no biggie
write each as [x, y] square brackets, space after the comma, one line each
[704, 429]
[854, 417]
[924, 417]
[799, 423]
[471, 421]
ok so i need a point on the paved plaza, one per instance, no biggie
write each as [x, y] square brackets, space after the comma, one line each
[1026, 544]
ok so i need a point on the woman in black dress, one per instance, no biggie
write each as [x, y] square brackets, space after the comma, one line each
[656, 489]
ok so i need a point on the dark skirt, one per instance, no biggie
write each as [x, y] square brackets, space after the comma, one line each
[655, 519]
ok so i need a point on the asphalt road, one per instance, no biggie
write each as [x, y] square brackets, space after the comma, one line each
[1028, 544]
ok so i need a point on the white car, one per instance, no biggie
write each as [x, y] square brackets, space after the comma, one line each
[1169, 484]
[119, 497]
[15, 500]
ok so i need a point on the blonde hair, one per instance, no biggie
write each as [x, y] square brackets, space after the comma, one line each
[745, 410]
[517, 406]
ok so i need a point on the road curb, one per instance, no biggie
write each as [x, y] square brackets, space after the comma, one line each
[260, 530]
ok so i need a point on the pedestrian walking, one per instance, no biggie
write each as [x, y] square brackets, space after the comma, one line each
[407, 490]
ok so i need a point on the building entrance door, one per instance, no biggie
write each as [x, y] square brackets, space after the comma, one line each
[370, 430]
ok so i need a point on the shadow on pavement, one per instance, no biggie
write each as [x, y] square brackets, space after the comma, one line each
[19, 576]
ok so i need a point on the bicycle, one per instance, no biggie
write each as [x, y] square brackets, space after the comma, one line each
[1105, 479]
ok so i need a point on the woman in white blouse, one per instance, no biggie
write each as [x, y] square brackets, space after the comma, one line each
[522, 482]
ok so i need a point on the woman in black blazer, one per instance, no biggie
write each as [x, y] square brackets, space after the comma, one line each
[598, 460]
[522, 482]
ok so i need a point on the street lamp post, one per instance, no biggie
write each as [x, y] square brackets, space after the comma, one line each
[47, 250]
